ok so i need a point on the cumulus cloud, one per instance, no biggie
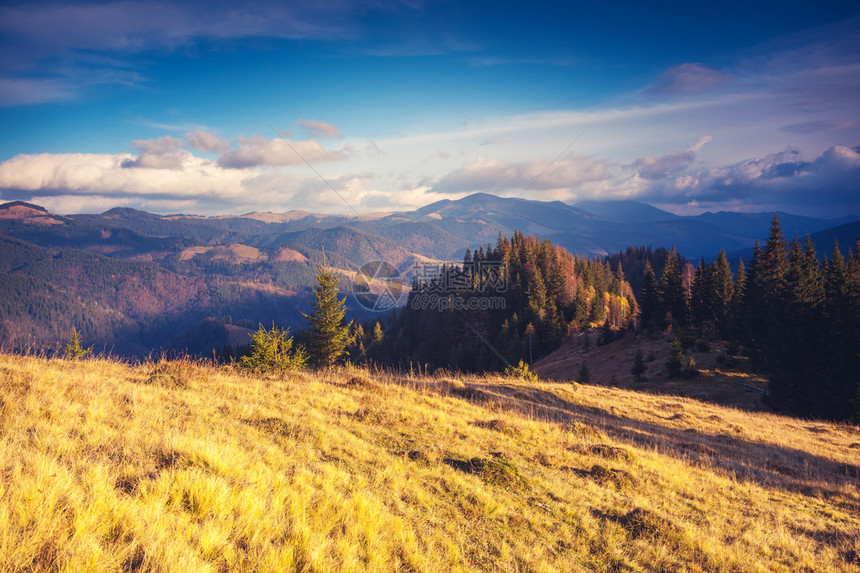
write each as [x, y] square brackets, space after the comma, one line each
[161, 153]
[109, 175]
[665, 165]
[257, 151]
[203, 140]
[84, 182]
[824, 186]
[321, 129]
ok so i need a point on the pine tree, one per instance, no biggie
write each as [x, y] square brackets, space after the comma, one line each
[675, 364]
[737, 307]
[272, 352]
[639, 366]
[74, 350]
[378, 334]
[720, 293]
[650, 307]
[327, 336]
[584, 375]
[700, 296]
[795, 359]
[753, 315]
[841, 310]
[672, 289]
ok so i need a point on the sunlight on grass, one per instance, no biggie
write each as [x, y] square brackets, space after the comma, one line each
[181, 467]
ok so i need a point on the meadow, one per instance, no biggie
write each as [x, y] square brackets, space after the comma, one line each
[182, 466]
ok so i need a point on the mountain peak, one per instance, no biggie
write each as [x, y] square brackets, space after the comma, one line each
[28, 213]
[625, 211]
[22, 204]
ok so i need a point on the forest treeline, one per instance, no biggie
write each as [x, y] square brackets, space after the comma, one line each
[795, 314]
[513, 301]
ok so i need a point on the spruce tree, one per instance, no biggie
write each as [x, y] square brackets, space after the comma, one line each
[74, 350]
[720, 293]
[327, 336]
[737, 308]
[842, 339]
[794, 358]
[753, 314]
[675, 364]
[672, 288]
[639, 366]
[699, 296]
[584, 375]
[650, 307]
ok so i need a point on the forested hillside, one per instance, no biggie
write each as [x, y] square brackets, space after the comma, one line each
[507, 303]
[796, 315]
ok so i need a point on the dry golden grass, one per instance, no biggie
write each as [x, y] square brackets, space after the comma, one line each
[732, 383]
[182, 467]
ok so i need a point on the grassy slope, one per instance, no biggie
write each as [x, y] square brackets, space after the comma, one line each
[174, 466]
[732, 383]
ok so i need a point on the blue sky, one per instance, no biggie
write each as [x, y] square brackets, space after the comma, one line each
[729, 106]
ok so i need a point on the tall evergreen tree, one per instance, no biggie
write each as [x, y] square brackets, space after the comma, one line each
[672, 289]
[753, 316]
[738, 293]
[700, 296]
[650, 305]
[794, 359]
[720, 293]
[841, 279]
[328, 335]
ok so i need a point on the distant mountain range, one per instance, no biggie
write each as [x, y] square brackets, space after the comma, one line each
[135, 281]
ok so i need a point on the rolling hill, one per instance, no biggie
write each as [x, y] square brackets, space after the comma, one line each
[175, 465]
[261, 265]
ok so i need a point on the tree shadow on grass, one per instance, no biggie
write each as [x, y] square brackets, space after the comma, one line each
[769, 465]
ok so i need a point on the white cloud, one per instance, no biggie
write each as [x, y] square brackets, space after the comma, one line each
[108, 174]
[321, 129]
[255, 151]
[85, 182]
[203, 140]
[161, 153]
[664, 166]
[700, 143]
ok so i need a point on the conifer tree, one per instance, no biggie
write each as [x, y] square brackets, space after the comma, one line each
[639, 366]
[74, 350]
[754, 313]
[772, 270]
[737, 306]
[378, 334]
[584, 375]
[672, 288]
[327, 336]
[650, 307]
[699, 296]
[795, 360]
[720, 293]
[675, 364]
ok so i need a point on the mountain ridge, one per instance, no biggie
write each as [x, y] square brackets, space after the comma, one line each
[210, 259]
